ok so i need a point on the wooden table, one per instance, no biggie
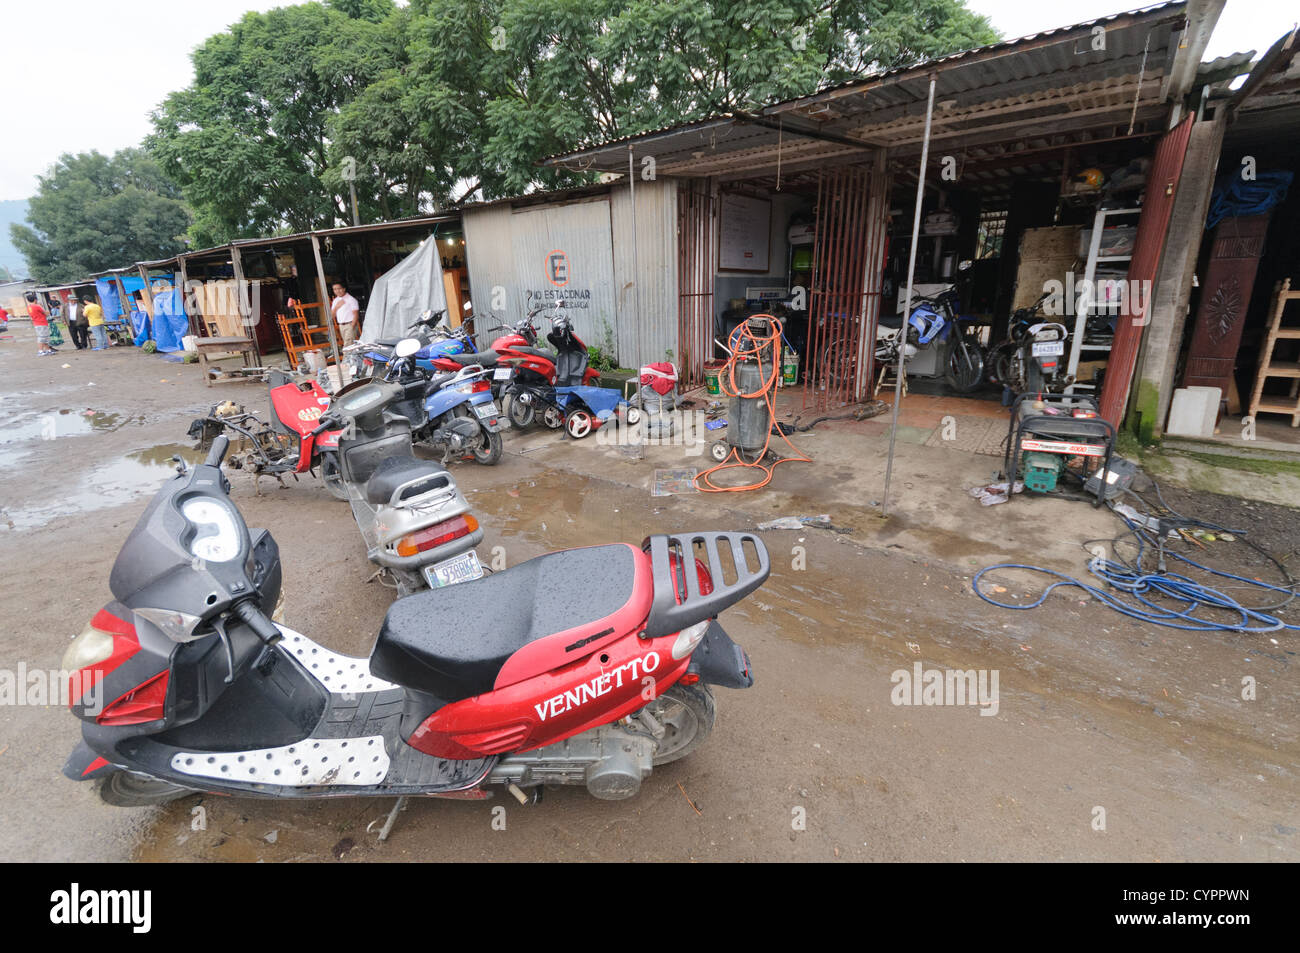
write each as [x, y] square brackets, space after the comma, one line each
[244, 346]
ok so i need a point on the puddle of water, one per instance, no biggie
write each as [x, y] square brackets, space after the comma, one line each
[138, 473]
[51, 424]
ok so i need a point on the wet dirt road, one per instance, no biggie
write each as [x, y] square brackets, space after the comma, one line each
[1110, 741]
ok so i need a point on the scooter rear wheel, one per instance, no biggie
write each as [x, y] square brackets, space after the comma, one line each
[489, 451]
[519, 414]
[687, 713]
[128, 789]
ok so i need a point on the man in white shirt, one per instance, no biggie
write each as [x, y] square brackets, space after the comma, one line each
[346, 313]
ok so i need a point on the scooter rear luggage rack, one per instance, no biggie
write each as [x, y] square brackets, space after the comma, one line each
[667, 615]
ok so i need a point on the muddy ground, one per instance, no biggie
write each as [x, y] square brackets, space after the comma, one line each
[1111, 740]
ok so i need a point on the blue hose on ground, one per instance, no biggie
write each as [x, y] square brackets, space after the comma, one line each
[1191, 594]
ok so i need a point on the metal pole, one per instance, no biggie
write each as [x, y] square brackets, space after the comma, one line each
[352, 186]
[636, 265]
[325, 307]
[907, 305]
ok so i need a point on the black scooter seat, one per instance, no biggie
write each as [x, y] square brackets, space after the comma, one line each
[485, 358]
[535, 352]
[458, 641]
[396, 471]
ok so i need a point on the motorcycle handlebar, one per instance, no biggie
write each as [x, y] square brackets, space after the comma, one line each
[326, 423]
[256, 619]
[218, 452]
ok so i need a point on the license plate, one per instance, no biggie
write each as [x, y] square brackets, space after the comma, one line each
[502, 373]
[1046, 348]
[486, 409]
[462, 568]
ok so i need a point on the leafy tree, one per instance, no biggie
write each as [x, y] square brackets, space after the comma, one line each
[94, 212]
[443, 98]
[249, 140]
[555, 73]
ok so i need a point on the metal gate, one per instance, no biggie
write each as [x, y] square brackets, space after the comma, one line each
[696, 266]
[844, 301]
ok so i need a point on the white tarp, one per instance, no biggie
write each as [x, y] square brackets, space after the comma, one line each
[404, 292]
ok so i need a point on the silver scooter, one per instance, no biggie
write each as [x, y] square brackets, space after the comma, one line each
[414, 520]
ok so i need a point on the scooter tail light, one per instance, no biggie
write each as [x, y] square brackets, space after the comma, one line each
[480, 386]
[144, 703]
[433, 536]
[104, 645]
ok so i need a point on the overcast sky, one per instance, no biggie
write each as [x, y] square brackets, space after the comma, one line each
[84, 74]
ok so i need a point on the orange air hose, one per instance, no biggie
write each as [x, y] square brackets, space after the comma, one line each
[747, 346]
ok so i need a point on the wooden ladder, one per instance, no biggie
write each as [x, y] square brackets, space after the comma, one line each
[1268, 367]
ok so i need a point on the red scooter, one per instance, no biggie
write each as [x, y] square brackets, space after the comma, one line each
[289, 444]
[184, 684]
[524, 378]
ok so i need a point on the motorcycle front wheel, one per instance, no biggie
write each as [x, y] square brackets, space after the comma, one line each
[128, 789]
[687, 713]
[332, 476]
[965, 368]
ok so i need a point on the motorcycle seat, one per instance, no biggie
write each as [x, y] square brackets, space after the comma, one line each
[485, 358]
[535, 352]
[470, 638]
[399, 470]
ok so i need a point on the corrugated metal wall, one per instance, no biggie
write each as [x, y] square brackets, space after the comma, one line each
[649, 336]
[512, 266]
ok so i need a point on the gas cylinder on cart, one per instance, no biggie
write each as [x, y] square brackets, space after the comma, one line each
[749, 421]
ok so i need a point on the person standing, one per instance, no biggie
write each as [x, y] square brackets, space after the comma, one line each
[346, 313]
[40, 324]
[95, 320]
[76, 319]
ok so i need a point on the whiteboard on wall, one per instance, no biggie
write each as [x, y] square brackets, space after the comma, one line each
[744, 230]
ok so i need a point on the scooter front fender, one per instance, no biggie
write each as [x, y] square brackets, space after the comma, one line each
[85, 764]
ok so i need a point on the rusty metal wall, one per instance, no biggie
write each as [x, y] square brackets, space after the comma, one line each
[650, 335]
[838, 329]
[697, 265]
[1162, 186]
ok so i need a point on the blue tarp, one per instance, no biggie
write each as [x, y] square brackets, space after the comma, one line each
[169, 321]
[1234, 195]
[140, 327]
[106, 288]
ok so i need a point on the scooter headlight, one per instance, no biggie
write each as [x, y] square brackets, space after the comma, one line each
[216, 531]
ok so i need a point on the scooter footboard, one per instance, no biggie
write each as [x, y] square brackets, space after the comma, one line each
[678, 600]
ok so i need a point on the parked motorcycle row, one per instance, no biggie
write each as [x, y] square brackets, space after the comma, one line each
[1030, 359]
[184, 683]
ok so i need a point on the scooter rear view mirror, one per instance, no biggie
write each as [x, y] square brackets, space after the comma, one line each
[406, 347]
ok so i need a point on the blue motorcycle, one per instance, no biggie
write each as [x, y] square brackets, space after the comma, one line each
[463, 418]
[435, 341]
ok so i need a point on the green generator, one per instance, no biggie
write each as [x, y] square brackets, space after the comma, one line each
[1040, 471]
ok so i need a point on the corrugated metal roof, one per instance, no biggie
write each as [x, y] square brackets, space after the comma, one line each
[1057, 78]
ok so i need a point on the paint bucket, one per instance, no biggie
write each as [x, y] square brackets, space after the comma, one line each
[712, 372]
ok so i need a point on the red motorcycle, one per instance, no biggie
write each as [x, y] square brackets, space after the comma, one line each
[184, 684]
[289, 444]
